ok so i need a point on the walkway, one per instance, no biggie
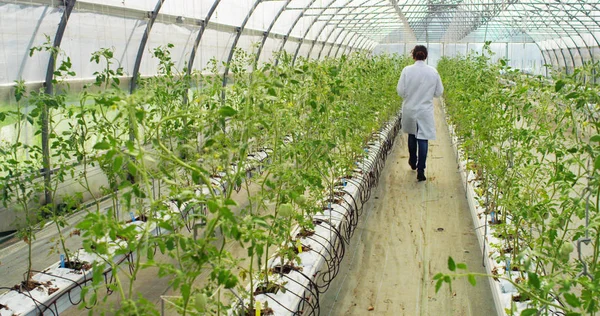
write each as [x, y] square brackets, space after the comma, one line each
[405, 237]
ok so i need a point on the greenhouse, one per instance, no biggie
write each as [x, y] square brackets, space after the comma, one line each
[249, 157]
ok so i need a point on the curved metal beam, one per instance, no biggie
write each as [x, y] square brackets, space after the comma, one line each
[325, 26]
[239, 31]
[355, 33]
[350, 47]
[308, 31]
[353, 24]
[361, 42]
[203, 24]
[266, 34]
[543, 56]
[140, 53]
[199, 36]
[343, 29]
[49, 89]
[285, 38]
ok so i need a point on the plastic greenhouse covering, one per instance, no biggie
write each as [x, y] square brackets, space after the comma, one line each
[532, 33]
[122, 72]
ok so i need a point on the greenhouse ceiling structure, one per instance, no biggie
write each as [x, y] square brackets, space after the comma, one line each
[530, 33]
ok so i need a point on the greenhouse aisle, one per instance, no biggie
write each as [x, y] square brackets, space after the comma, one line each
[405, 237]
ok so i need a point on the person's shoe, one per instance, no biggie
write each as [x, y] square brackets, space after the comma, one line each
[421, 175]
[413, 165]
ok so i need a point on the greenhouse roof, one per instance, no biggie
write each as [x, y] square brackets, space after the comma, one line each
[204, 29]
[414, 20]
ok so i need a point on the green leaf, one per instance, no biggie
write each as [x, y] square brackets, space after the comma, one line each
[212, 206]
[118, 163]
[533, 280]
[102, 146]
[529, 312]
[472, 280]
[227, 111]
[572, 95]
[597, 163]
[461, 266]
[572, 299]
[451, 264]
[559, 85]
[438, 285]
[595, 138]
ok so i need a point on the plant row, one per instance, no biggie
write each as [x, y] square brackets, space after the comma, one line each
[530, 150]
[313, 120]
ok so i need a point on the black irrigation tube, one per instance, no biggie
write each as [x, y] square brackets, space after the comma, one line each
[333, 264]
[50, 304]
[365, 177]
[368, 175]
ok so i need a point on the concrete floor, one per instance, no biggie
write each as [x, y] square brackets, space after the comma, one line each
[405, 238]
[393, 255]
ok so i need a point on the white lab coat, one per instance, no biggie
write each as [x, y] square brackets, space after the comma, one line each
[418, 84]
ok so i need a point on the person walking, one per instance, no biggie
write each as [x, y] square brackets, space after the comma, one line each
[418, 85]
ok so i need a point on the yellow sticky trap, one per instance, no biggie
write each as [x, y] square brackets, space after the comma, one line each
[299, 245]
[257, 308]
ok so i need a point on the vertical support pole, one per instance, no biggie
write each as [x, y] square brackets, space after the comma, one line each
[199, 37]
[203, 25]
[140, 53]
[289, 32]
[239, 31]
[49, 89]
[266, 34]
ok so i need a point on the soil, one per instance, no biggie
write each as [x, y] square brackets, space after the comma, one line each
[265, 311]
[520, 298]
[396, 249]
[3, 306]
[270, 288]
[285, 269]
[319, 221]
[495, 272]
[52, 290]
[30, 285]
[78, 265]
[305, 233]
[304, 249]
[507, 250]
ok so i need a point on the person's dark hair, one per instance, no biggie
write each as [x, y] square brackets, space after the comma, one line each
[419, 52]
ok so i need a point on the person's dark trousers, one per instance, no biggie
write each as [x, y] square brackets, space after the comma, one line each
[420, 145]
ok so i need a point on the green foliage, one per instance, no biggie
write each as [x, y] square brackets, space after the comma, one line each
[173, 135]
[533, 146]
